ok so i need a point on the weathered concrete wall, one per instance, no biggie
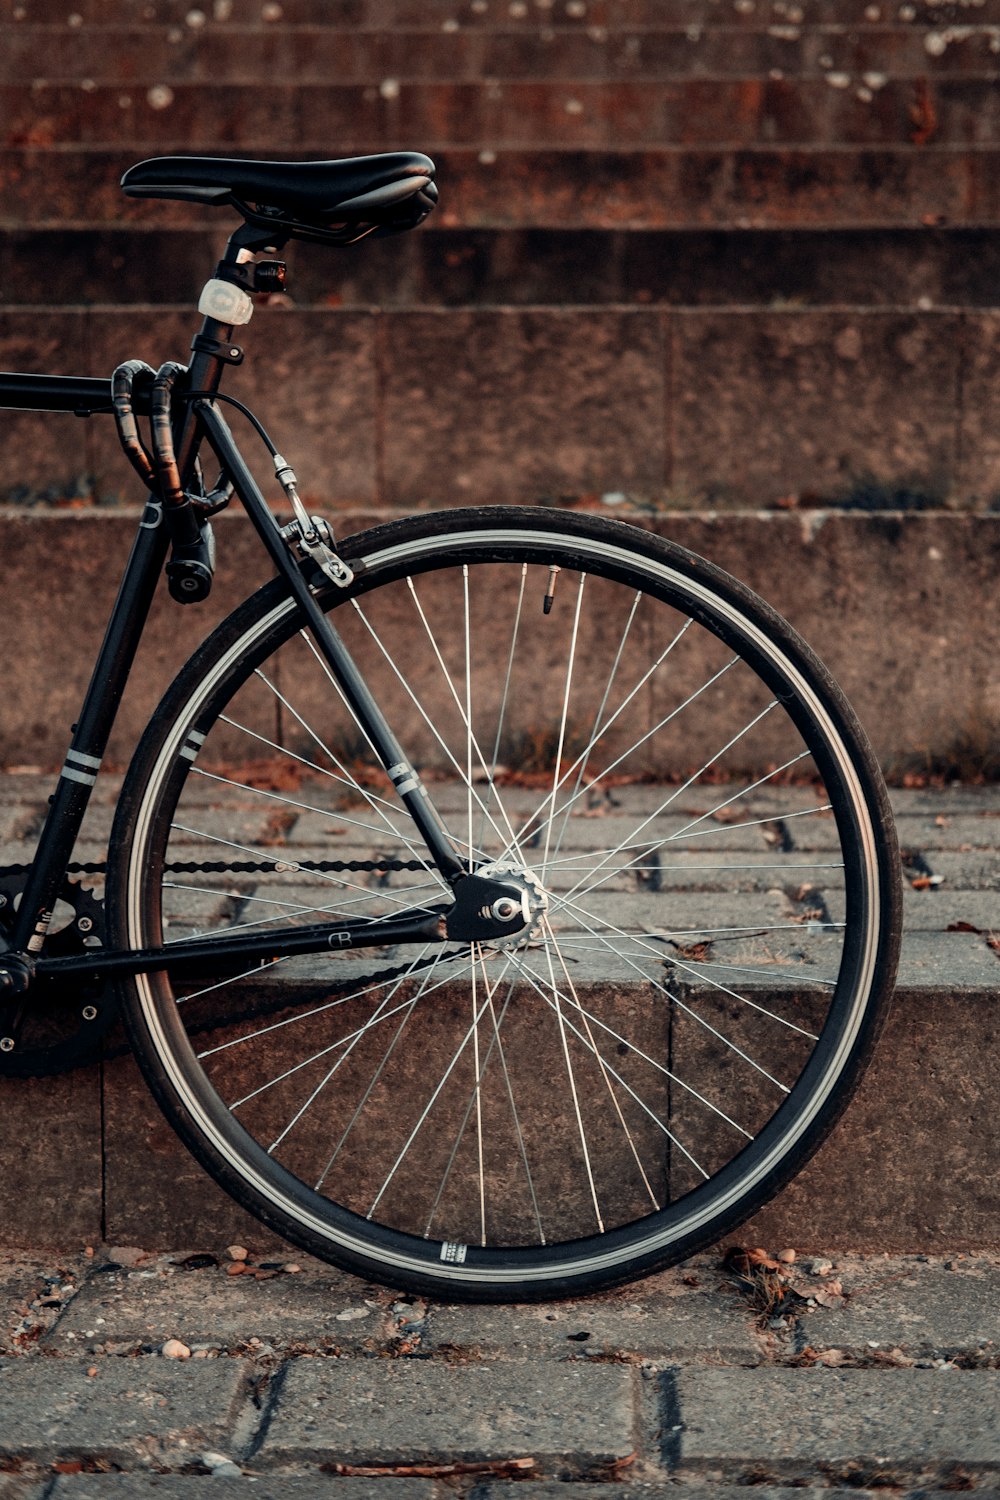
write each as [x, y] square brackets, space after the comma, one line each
[898, 607]
[682, 408]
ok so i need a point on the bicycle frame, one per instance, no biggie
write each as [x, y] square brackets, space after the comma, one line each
[200, 421]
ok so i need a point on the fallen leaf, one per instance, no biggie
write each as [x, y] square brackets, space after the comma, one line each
[512, 1467]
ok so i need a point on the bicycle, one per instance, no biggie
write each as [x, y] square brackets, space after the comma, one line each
[604, 949]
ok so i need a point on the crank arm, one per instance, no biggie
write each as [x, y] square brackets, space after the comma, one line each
[201, 954]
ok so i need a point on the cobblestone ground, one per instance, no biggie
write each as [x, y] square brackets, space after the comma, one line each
[126, 1373]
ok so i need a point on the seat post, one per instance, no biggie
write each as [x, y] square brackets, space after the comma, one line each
[225, 304]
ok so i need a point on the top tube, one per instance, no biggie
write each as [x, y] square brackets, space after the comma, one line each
[80, 394]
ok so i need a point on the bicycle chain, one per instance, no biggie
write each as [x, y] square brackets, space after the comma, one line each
[70, 1053]
[245, 867]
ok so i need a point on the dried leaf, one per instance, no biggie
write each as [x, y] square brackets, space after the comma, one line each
[510, 1467]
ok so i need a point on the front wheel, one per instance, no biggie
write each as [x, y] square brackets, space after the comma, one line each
[710, 887]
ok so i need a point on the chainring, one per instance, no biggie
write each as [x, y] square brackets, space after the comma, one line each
[65, 1020]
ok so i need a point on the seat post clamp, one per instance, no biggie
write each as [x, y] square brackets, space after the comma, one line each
[203, 344]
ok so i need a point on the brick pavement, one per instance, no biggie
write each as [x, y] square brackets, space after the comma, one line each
[883, 1374]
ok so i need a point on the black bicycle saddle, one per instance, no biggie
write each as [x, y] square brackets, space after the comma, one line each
[333, 201]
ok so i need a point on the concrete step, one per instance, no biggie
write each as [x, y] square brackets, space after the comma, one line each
[353, 117]
[133, 51]
[911, 1125]
[322, 118]
[667, 409]
[458, 268]
[485, 15]
[894, 604]
[70, 187]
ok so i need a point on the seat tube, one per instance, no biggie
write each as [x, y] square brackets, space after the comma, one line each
[68, 803]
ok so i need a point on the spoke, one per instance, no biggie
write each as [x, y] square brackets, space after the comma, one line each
[580, 763]
[427, 1109]
[352, 1037]
[407, 1013]
[744, 792]
[604, 1073]
[339, 817]
[576, 945]
[599, 727]
[316, 1010]
[685, 786]
[638, 1052]
[288, 917]
[381, 806]
[696, 966]
[733, 994]
[387, 894]
[468, 719]
[608, 769]
[572, 1081]
[590, 860]
[428, 720]
[502, 713]
[220, 984]
[342, 776]
[551, 800]
[465, 712]
[477, 1091]
[369, 1026]
[497, 1045]
[786, 817]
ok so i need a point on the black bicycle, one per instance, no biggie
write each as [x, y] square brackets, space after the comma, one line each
[597, 912]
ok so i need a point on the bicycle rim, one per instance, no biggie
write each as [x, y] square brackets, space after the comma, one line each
[681, 794]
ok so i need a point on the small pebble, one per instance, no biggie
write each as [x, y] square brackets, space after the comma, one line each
[292, 1268]
[174, 1349]
[237, 1252]
[222, 1467]
[236, 1267]
[787, 1257]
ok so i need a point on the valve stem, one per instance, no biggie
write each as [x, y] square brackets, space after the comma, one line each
[550, 595]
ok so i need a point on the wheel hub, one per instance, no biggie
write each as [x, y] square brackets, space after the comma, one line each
[501, 902]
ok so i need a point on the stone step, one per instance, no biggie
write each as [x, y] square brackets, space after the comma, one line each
[517, 15]
[523, 267]
[667, 409]
[136, 52]
[669, 188]
[344, 118]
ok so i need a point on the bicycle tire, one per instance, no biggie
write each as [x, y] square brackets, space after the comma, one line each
[678, 1030]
